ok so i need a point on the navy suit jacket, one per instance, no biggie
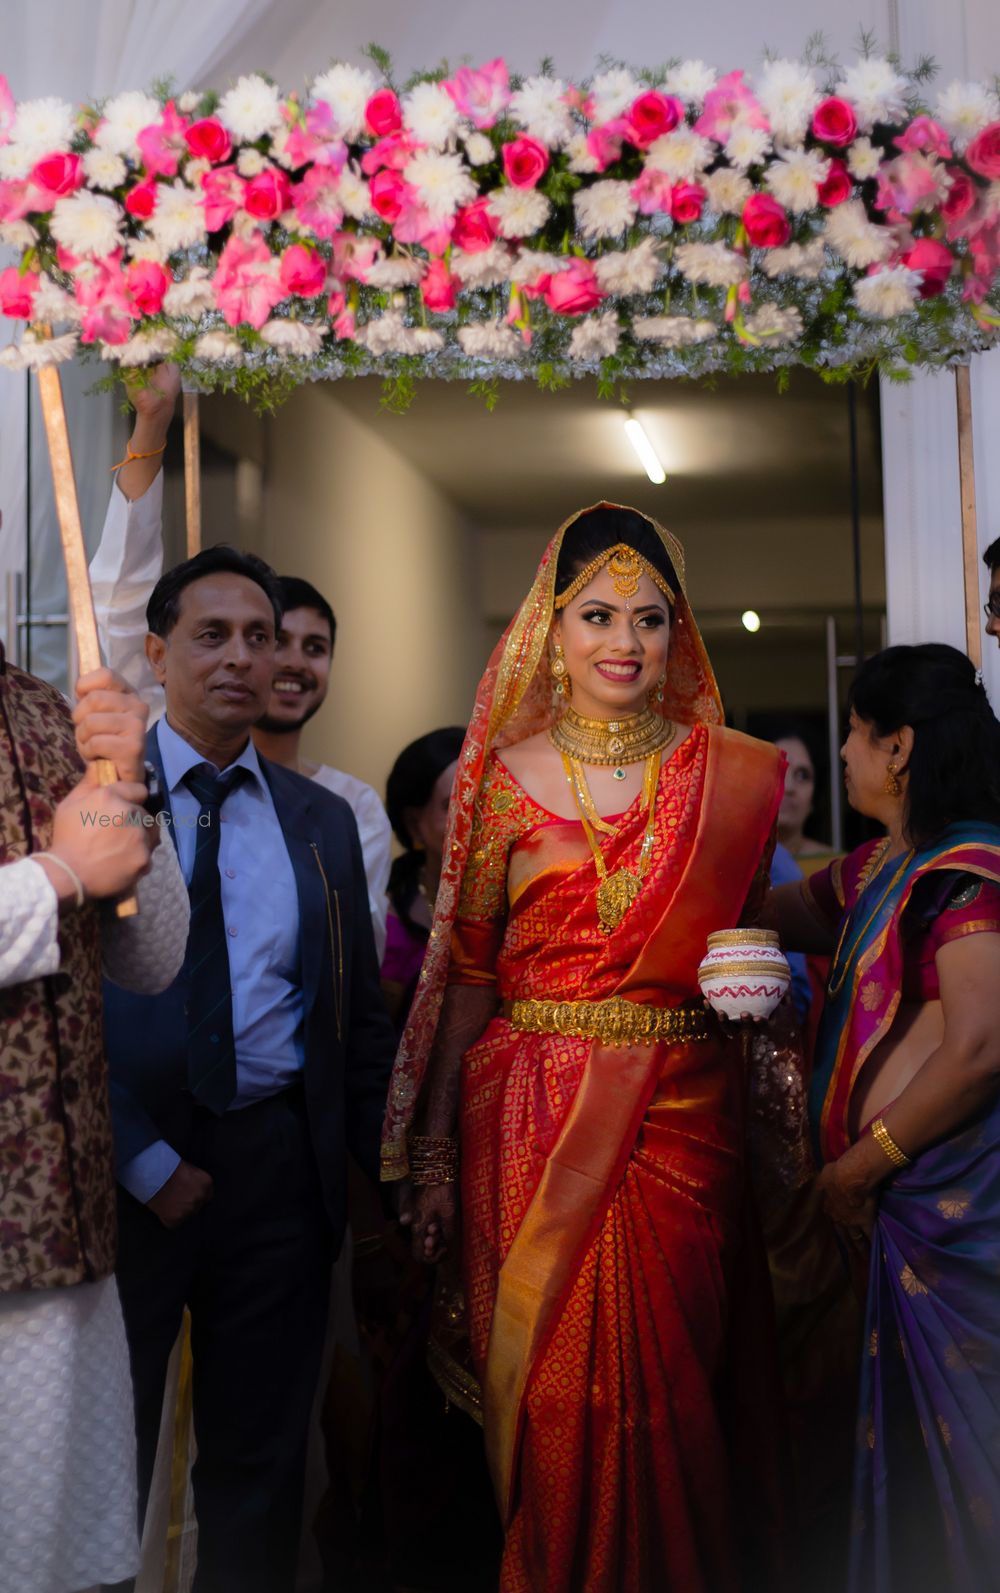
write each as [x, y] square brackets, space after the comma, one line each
[349, 1040]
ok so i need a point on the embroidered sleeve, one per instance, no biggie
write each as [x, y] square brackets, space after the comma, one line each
[496, 823]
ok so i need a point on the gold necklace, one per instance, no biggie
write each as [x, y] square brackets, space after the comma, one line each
[611, 742]
[615, 892]
[838, 973]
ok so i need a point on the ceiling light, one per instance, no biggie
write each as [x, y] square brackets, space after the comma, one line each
[647, 454]
[751, 620]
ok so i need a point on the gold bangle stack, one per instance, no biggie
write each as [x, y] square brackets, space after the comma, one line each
[433, 1161]
[886, 1143]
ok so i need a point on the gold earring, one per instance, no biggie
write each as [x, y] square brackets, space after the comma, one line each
[655, 693]
[892, 785]
[560, 672]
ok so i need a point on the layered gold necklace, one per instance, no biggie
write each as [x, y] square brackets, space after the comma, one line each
[615, 892]
[611, 742]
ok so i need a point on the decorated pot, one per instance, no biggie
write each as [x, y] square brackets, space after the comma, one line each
[744, 973]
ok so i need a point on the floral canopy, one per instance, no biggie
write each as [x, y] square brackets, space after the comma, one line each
[482, 226]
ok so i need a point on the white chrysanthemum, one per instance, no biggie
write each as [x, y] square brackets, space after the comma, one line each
[581, 159]
[442, 182]
[489, 340]
[54, 305]
[774, 325]
[690, 81]
[123, 119]
[747, 146]
[146, 249]
[219, 348]
[680, 155]
[195, 170]
[43, 127]
[611, 93]
[727, 191]
[794, 179]
[389, 334]
[251, 109]
[964, 109]
[518, 212]
[87, 224]
[850, 234]
[353, 194]
[399, 272]
[531, 264]
[863, 159]
[805, 260]
[595, 337]
[347, 90]
[487, 269]
[605, 209]
[145, 348]
[479, 149]
[178, 222]
[16, 161]
[539, 107]
[250, 162]
[876, 91]
[34, 352]
[430, 114]
[673, 331]
[292, 337]
[189, 101]
[628, 271]
[102, 169]
[888, 293]
[787, 91]
[190, 299]
[711, 263]
[18, 234]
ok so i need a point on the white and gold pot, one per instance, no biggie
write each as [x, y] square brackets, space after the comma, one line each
[744, 973]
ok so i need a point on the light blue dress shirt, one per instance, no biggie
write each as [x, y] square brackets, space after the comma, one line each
[261, 912]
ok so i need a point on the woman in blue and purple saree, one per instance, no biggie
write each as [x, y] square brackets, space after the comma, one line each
[905, 1112]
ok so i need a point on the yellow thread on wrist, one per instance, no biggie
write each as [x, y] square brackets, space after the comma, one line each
[130, 456]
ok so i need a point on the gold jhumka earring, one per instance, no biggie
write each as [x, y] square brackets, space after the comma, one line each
[655, 693]
[559, 670]
[892, 785]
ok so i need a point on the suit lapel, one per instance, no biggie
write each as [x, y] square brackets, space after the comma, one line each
[294, 810]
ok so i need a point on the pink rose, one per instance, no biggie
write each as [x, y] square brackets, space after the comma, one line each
[268, 195]
[766, 223]
[389, 193]
[525, 162]
[147, 283]
[836, 186]
[439, 288]
[575, 290]
[302, 271]
[383, 113]
[208, 140]
[962, 195]
[475, 228]
[652, 191]
[687, 202]
[57, 175]
[934, 262]
[983, 154]
[140, 201]
[834, 122]
[651, 115]
[17, 293]
[925, 134]
[224, 190]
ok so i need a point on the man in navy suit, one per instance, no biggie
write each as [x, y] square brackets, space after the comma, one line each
[237, 1092]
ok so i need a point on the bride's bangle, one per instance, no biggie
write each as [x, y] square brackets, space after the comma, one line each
[432, 1160]
[887, 1144]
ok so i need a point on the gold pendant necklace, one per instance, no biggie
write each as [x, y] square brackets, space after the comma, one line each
[611, 742]
[615, 892]
[840, 964]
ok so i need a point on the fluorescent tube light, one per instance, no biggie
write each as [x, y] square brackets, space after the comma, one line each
[645, 451]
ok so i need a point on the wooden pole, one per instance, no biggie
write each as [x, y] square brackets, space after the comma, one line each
[970, 540]
[81, 603]
[192, 474]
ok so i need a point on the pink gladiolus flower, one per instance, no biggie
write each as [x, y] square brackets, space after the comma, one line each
[604, 143]
[924, 133]
[389, 193]
[302, 271]
[147, 283]
[415, 224]
[475, 228]
[525, 162]
[17, 293]
[574, 291]
[268, 195]
[983, 154]
[383, 113]
[353, 256]
[246, 282]
[53, 178]
[344, 325]
[7, 110]
[651, 191]
[481, 95]
[394, 151]
[836, 186]
[316, 141]
[208, 140]
[577, 100]
[687, 202]
[651, 115]
[834, 122]
[767, 225]
[905, 183]
[934, 262]
[162, 143]
[439, 289]
[316, 203]
[102, 293]
[730, 101]
[140, 201]
[15, 201]
[224, 190]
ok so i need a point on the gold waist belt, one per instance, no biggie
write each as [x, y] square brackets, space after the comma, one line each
[613, 1022]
